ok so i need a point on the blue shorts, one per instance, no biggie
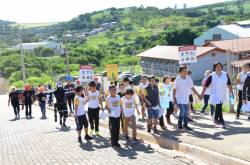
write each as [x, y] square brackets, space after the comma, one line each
[152, 113]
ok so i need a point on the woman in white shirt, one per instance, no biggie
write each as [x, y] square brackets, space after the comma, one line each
[218, 81]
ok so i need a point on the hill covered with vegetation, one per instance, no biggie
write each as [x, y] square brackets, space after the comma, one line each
[136, 29]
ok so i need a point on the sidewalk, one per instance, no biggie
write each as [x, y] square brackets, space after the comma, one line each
[233, 142]
[37, 142]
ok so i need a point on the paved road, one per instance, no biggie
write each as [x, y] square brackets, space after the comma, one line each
[37, 141]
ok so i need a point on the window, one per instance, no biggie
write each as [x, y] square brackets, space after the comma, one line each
[216, 37]
[213, 54]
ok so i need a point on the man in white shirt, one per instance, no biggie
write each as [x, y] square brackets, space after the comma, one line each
[239, 82]
[182, 86]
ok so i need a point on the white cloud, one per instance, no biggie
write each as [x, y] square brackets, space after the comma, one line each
[62, 10]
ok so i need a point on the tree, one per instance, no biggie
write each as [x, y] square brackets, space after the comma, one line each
[47, 52]
[38, 50]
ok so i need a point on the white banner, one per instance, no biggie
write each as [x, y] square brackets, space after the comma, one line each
[86, 73]
[187, 54]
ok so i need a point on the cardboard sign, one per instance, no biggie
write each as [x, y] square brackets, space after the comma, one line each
[187, 54]
[112, 71]
[86, 73]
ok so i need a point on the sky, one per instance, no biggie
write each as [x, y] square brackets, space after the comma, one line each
[38, 11]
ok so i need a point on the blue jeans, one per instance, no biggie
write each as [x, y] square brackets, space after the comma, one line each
[183, 116]
[206, 99]
[42, 107]
[152, 113]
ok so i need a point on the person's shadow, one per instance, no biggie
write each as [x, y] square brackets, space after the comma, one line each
[131, 150]
[100, 142]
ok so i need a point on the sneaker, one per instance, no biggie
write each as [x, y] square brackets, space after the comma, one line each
[117, 145]
[212, 117]
[149, 129]
[180, 127]
[134, 141]
[18, 116]
[87, 137]
[97, 133]
[163, 128]
[175, 115]
[248, 118]
[190, 120]
[217, 126]
[223, 126]
[155, 130]
[79, 139]
[27, 117]
[64, 125]
[187, 128]
[237, 117]
[127, 138]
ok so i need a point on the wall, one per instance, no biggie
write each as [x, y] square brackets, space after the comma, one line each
[200, 41]
[206, 62]
[159, 67]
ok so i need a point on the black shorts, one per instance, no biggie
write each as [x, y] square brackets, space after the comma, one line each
[191, 99]
[81, 121]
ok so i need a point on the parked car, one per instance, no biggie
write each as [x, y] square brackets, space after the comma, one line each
[125, 74]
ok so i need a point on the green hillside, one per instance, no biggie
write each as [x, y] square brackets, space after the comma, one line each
[137, 29]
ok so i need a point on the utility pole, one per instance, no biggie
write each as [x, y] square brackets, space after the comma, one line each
[22, 58]
[66, 54]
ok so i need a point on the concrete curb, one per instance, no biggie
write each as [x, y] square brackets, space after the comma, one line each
[206, 155]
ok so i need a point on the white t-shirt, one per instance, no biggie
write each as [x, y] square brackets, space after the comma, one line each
[183, 88]
[128, 106]
[218, 88]
[170, 90]
[79, 102]
[93, 99]
[243, 76]
[114, 104]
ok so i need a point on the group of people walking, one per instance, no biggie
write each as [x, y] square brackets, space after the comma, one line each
[159, 99]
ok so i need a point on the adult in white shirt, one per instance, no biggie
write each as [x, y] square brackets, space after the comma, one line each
[207, 94]
[239, 82]
[218, 81]
[182, 86]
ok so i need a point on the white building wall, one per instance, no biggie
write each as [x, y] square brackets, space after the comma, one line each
[206, 62]
[200, 41]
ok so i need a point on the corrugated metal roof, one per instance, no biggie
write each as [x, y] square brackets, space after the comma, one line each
[240, 63]
[246, 22]
[171, 52]
[33, 45]
[235, 45]
[236, 30]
